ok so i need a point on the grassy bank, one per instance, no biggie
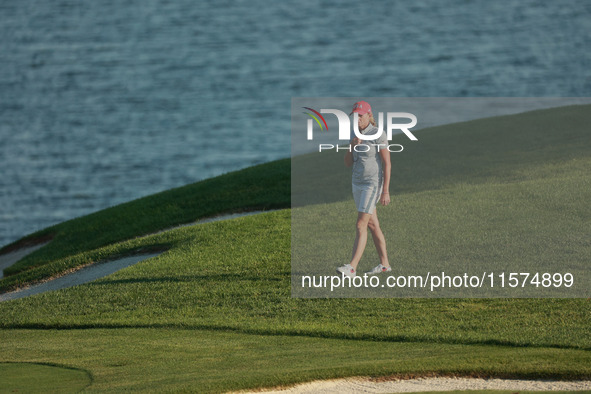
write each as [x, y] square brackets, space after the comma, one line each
[261, 187]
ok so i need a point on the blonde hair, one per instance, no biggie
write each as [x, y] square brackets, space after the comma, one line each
[371, 119]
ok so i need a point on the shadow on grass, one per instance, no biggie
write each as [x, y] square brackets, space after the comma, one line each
[291, 332]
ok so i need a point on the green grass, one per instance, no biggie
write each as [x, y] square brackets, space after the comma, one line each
[496, 193]
[229, 282]
[245, 286]
[41, 378]
[215, 361]
[540, 225]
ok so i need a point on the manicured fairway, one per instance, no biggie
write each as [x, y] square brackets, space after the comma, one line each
[214, 361]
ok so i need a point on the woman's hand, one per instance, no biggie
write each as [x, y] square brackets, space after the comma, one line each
[385, 198]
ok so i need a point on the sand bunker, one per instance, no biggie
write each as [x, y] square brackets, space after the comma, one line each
[361, 385]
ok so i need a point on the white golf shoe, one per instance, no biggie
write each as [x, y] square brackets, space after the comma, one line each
[347, 270]
[379, 269]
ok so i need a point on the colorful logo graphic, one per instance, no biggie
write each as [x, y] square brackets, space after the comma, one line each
[315, 118]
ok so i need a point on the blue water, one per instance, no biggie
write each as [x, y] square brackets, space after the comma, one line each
[105, 101]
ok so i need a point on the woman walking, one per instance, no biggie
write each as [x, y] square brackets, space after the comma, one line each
[370, 182]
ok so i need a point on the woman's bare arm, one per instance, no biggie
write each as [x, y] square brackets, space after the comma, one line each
[387, 168]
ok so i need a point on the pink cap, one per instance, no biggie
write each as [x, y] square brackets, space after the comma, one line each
[361, 107]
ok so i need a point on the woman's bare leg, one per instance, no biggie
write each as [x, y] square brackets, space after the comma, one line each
[378, 238]
[360, 238]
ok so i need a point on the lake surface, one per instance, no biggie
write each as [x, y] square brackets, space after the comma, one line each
[102, 102]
